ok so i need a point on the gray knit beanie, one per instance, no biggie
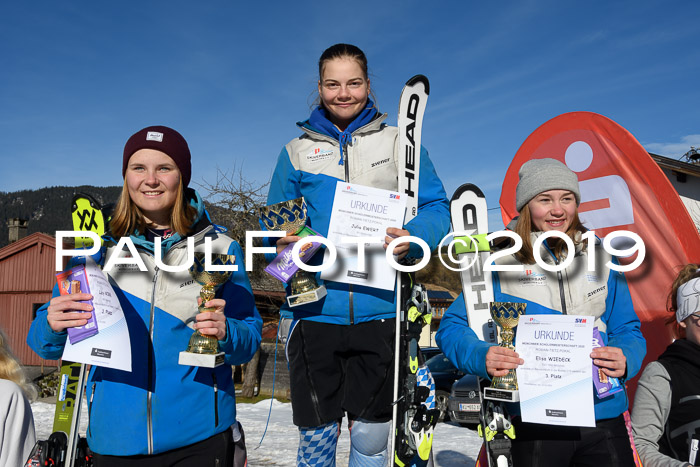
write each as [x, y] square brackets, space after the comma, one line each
[539, 175]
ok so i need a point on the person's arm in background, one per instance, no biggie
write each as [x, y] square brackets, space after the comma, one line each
[652, 405]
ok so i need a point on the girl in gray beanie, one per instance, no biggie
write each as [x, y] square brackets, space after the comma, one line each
[547, 199]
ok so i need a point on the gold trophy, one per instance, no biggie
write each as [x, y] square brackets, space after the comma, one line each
[203, 350]
[506, 315]
[291, 216]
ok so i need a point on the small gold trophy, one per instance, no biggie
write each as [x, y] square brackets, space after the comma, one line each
[506, 315]
[203, 350]
[291, 216]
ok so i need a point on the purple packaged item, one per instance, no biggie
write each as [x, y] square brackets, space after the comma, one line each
[282, 267]
[71, 281]
[604, 385]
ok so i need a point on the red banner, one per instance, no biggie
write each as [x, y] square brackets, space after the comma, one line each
[622, 188]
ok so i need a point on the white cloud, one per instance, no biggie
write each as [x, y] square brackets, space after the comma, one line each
[674, 150]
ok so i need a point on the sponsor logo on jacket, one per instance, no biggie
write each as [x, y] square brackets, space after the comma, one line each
[596, 291]
[592, 277]
[319, 155]
[530, 278]
[383, 161]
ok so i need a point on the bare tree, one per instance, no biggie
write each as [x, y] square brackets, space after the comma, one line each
[250, 381]
[236, 200]
[233, 202]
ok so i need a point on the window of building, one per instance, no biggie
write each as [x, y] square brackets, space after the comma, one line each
[35, 308]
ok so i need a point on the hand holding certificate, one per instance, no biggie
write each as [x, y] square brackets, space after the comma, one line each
[555, 381]
[365, 213]
[109, 346]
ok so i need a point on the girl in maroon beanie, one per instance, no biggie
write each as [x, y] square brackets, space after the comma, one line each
[161, 413]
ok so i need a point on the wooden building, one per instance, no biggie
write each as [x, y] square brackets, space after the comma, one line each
[440, 299]
[27, 276]
[685, 178]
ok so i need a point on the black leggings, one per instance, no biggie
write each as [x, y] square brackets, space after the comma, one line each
[606, 444]
[216, 451]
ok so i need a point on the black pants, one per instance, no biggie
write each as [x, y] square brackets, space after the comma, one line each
[606, 444]
[216, 451]
[337, 369]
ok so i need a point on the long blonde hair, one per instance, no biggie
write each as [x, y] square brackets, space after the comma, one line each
[11, 370]
[523, 228]
[687, 272]
[127, 217]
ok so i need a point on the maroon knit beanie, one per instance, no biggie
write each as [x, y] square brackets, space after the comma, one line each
[165, 140]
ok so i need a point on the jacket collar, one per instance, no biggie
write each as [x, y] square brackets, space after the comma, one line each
[370, 127]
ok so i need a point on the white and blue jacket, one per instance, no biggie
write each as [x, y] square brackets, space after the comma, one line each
[603, 294]
[161, 405]
[311, 165]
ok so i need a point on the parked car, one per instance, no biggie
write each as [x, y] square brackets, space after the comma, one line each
[429, 352]
[444, 373]
[464, 405]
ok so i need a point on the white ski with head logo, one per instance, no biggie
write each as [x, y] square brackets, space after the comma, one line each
[469, 213]
[412, 105]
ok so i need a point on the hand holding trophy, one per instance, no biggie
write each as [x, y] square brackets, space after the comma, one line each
[506, 315]
[291, 216]
[203, 350]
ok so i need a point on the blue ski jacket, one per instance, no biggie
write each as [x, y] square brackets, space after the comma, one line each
[603, 294]
[311, 165]
[160, 405]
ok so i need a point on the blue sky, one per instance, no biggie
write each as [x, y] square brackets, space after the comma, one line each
[77, 78]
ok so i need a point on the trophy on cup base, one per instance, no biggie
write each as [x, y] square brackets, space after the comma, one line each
[203, 350]
[290, 216]
[506, 315]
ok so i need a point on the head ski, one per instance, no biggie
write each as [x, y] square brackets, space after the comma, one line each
[469, 213]
[413, 419]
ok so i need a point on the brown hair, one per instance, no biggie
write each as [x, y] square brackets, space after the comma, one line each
[343, 51]
[687, 272]
[127, 217]
[523, 228]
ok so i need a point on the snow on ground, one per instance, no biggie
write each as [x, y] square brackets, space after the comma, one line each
[452, 446]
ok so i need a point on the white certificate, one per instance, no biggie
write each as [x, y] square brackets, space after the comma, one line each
[555, 381]
[366, 212]
[111, 346]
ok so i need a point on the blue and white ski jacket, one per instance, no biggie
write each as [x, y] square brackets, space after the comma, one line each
[602, 293]
[311, 165]
[161, 405]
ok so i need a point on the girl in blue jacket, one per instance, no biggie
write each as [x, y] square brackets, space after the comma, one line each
[340, 348]
[547, 199]
[161, 413]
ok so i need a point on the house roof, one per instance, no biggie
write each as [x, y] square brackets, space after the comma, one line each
[440, 295]
[27, 242]
[676, 165]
